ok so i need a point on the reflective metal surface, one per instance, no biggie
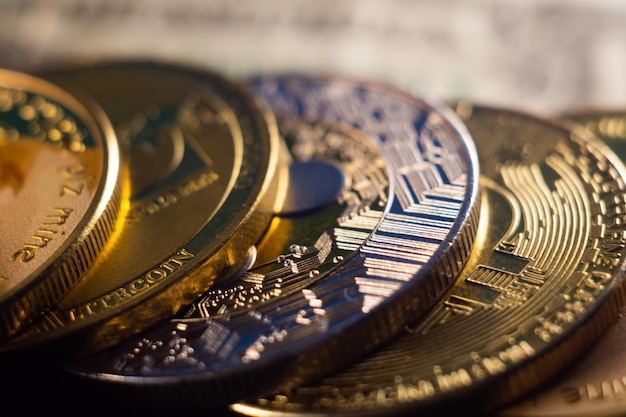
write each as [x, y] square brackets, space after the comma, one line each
[595, 384]
[60, 182]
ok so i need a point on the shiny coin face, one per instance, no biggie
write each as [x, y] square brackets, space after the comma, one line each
[389, 220]
[595, 385]
[202, 156]
[59, 194]
[540, 284]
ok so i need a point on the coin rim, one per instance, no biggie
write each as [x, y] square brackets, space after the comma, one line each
[49, 282]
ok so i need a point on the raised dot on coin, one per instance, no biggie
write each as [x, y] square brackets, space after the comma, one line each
[312, 186]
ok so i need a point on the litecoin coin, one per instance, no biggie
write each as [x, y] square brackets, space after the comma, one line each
[203, 162]
[60, 183]
[390, 219]
[540, 285]
[595, 386]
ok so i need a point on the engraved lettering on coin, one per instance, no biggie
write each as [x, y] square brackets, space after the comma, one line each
[59, 194]
[171, 135]
[131, 289]
[36, 137]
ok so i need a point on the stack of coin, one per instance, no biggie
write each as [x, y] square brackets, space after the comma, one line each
[297, 244]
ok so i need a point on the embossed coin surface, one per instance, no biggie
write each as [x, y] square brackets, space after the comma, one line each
[539, 286]
[60, 184]
[595, 385]
[340, 272]
[203, 157]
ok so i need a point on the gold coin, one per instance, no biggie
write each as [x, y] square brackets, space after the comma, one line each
[595, 384]
[203, 155]
[59, 194]
[541, 283]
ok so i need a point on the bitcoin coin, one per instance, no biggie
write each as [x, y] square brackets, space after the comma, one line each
[335, 276]
[60, 183]
[595, 385]
[542, 282]
[203, 157]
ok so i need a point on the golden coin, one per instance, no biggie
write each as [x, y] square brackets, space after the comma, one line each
[541, 284]
[59, 194]
[203, 155]
[595, 384]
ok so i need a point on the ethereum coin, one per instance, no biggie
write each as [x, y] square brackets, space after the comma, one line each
[60, 184]
[542, 282]
[202, 155]
[339, 272]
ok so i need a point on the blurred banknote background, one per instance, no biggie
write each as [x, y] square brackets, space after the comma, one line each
[541, 55]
